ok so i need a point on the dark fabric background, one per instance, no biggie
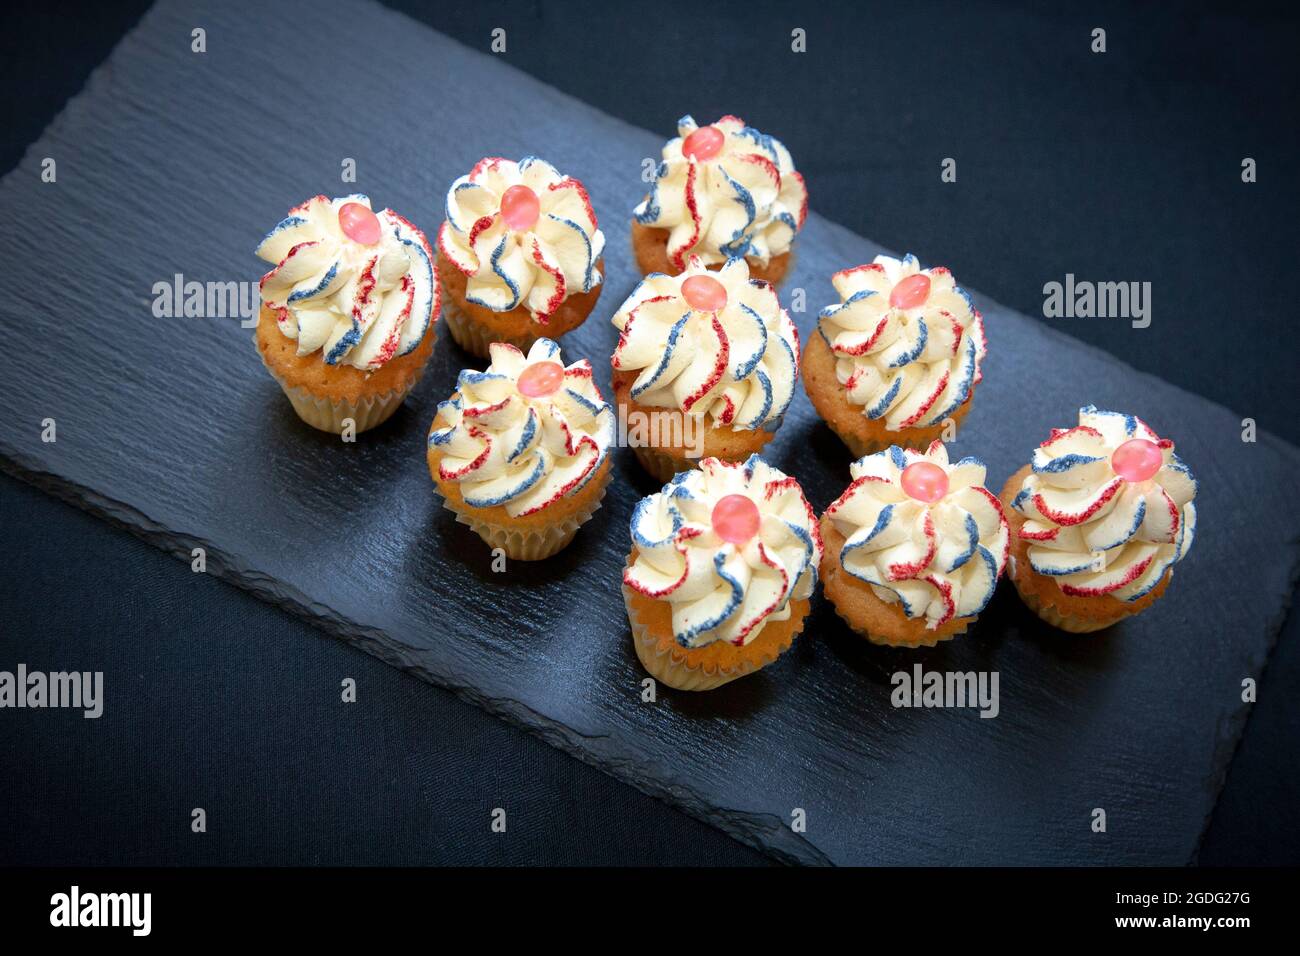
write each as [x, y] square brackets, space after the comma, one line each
[1116, 166]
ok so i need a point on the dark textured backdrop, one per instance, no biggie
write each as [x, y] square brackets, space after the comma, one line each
[1158, 125]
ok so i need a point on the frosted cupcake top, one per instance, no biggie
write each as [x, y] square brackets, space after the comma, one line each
[1108, 506]
[709, 343]
[526, 432]
[522, 234]
[357, 286]
[728, 546]
[923, 532]
[725, 190]
[907, 341]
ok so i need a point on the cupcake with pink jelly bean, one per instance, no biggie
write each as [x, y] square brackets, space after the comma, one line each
[347, 311]
[723, 565]
[1100, 516]
[721, 191]
[896, 361]
[520, 452]
[519, 254]
[914, 546]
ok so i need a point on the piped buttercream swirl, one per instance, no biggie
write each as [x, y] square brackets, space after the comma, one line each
[910, 358]
[1094, 531]
[537, 266]
[746, 199]
[737, 364]
[507, 445]
[360, 304]
[720, 590]
[936, 559]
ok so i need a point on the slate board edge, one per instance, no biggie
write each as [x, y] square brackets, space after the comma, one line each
[747, 828]
[1237, 723]
[765, 833]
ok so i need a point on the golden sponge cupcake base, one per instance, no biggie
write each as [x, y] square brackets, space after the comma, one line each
[862, 435]
[1043, 596]
[474, 327]
[527, 537]
[878, 621]
[650, 245]
[708, 667]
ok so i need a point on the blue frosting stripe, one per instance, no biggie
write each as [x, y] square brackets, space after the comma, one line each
[673, 334]
[1064, 463]
[898, 457]
[330, 274]
[973, 538]
[1139, 516]
[737, 596]
[344, 345]
[469, 376]
[794, 366]
[289, 222]
[743, 370]
[922, 337]
[960, 394]
[650, 210]
[882, 522]
[510, 283]
[886, 400]
[762, 140]
[423, 256]
[533, 477]
[586, 241]
[991, 565]
[740, 239]
[526, 435]
[763, 412]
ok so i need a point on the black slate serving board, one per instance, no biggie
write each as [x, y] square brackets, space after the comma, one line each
[176, 162]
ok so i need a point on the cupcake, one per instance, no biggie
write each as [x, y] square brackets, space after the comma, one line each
[721, 191]
[723, 562]
[1099, 516]
[914, 546]
[896, 357]
[345, 314]
[520, 452]
[705, 366]
[518, 254]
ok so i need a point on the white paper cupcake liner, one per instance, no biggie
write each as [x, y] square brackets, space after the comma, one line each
[533, 544]
[473, 337]
[331, 416]
[660, 665]
[660, 465]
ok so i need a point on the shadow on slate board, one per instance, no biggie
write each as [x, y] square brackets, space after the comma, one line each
[173, 162]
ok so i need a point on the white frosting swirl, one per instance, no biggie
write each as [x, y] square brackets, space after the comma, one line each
[941, 559]
[507, 448]
[737, 365]
[746, 200]
[913, 366]
[538, 268]
[720, 591]
[361, 305]
[1092, 530]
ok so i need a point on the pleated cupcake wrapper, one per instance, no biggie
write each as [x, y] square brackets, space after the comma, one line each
[473, 337]
[906, 438]
[928, 639]
[858, 446]
[660, 665]
[532, 544]
[660, 465]
[329, 415]
[1053, 616]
